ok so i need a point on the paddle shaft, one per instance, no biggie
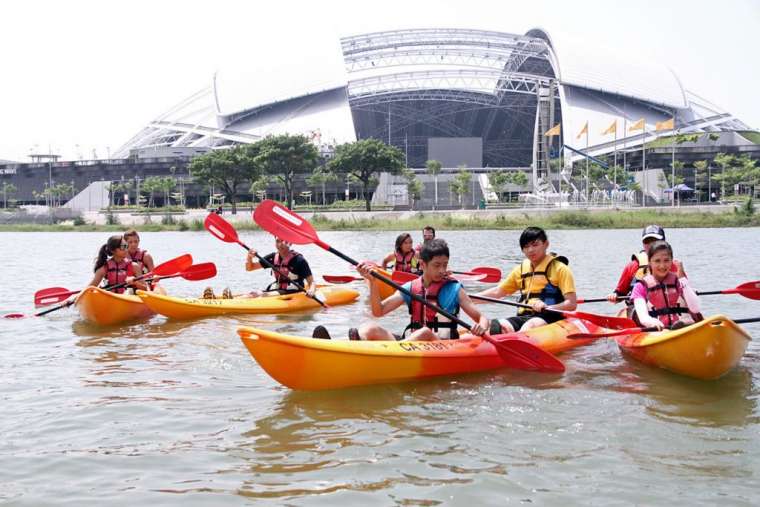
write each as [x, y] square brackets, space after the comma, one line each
[271, 266]
[519, 305]
[637, 330]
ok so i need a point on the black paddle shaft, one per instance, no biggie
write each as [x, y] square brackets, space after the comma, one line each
[399, 288]
[271, 266]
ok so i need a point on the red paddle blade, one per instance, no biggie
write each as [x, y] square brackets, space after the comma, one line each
[14, 316]
[470, 277]
[493, 275]
[278, 220]
[604, 320]
[52, 295]
[523, 355]
[340, 279]
[220, 228]
[199, 271]
[402, 277]
[749, 290]
[173, 266]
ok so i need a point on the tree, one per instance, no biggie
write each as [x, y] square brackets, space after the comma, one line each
[700, 176]
[284, 156]
[260, 185]
[724, 161]
[461, 183]
[320, 177]
[434, 168]
[166, 185]
[519, 178]
[364, 159]
[413, 186]
[8, 189]
[227, 169]
[123, 186]
[498, 180]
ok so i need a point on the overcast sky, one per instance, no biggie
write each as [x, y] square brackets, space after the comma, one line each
[92, 73]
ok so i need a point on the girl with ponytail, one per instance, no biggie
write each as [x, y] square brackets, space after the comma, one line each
[114, 265]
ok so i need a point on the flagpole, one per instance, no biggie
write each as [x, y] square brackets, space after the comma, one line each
[614, 158]
[587, 182]
[673, 162]
[644, 163]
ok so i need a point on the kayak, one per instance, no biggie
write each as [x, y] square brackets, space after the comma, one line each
[386, 290]
[705, 350]
[314, 364]
[107, 308]
[191, 308]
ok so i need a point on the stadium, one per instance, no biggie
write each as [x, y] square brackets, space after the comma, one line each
[480, 99]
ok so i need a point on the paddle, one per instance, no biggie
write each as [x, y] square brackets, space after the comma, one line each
[403, 277]
[341, 278]
[289, 226]
[600, 320]
[222, 229]
[493, 275]
[750, 290]
[637, 330]
[165, 269]
[52, 295]
[194, 273]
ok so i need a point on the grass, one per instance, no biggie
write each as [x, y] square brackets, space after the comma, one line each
[560, 220]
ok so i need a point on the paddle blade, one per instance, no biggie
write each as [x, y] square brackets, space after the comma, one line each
[523, 355]
[402, 277]
[493, 275]
[340, 279]
[279, 221]
[220, 228]
[749, 290]
[201, 271]
[470, 277]
[173, 266]
[14, 316]
[52, 295]
[603, 320]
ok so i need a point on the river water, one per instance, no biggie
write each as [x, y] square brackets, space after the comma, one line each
[178, 413]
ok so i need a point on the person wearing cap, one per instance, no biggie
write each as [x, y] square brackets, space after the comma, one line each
[638, 267]
[290, 266]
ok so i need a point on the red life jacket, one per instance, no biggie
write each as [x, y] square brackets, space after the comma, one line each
[422, 316]
[117, 272]
[664, 298]
[405, 263]
[282, 270]
[139, 258]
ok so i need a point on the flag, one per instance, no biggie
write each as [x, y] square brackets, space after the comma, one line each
[639, 125]
[584, 130]
[554, 131]
[611, 129]
[665, 125]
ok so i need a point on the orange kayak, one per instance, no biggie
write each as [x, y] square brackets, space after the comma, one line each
[314, 364]
[705, 350]
[107, 308]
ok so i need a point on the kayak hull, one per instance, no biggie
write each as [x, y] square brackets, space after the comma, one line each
[193, 308]
[106, 308]
[314, 364]
[706, 350]
[385, 290]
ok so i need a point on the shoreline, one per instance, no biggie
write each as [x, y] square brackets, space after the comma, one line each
[443, 220]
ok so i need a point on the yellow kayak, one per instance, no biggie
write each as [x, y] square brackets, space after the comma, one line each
[314, 364]
[191, 308]
[385, 290]
[705, 350]
[108, 308]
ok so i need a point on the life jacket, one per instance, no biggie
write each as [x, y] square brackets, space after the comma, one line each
[406, 263]
[643, 259]
[444, 294]
[283, 277]
[665, 298]
[544, 290]
[139, 258]
[117, 272]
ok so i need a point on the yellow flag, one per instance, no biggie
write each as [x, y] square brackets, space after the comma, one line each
[665, 125]
[584, 130]
[611, 129]
[639, 125]
[554, 131]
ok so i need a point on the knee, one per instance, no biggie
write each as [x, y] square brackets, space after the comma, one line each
[533, 323]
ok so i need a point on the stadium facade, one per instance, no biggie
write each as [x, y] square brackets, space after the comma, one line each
[489, 95]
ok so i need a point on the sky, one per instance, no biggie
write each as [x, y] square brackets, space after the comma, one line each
[80, 78]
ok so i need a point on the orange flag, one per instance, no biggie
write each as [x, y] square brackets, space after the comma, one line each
[584, 130]
[554, 131]
[665, 125]
[639, 125]
[611, 129]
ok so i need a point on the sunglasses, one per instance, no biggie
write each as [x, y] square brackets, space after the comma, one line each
[123, 246]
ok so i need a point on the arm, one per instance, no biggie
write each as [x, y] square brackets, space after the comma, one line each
[624, 283]
[506, 287]
[691, 298]
[98, 277]
[638, 295]
[379, 308]
[148, 261]
[250, 264]
[387, 259]
[310, 286]
[481, 321]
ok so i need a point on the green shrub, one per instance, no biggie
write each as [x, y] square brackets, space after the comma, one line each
[168, 220]
[79, 221]
[112, 219]
[183, 225]
[196, 224]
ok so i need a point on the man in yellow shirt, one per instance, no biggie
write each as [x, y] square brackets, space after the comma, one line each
[544, 280]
